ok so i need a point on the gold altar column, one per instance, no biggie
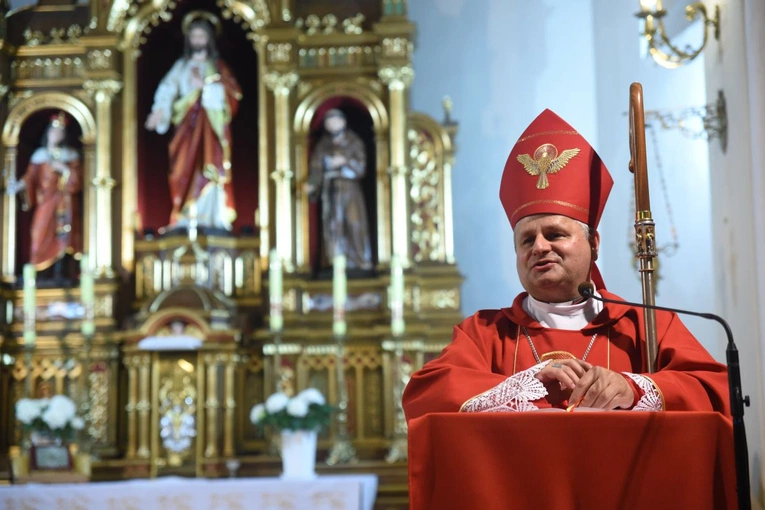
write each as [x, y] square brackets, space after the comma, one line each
[212, 404]
[144, 405]
[9, 218]
[99, 240]
[131, 363]
[230, 400]
[129, 159]
[451, 129]
[281, 84]
[398, 79]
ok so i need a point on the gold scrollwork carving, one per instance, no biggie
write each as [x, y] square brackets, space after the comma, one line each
[253, 15]
[319, 362]
[70, 35]
[363, 357]
[353, 25]
[329, 24]
[279, 53]
[143, 19]
[103, 88]
[413, 298]
[15, 97]
[397, 47]
[177, 420]
[373, 402]
[99, 410]
[67, 67]
[290, 300]
[104, 306]
[33, 37]
[27, 106]
[105, 183]
[425, 195]
[100, 59]
[254, 364]
[280, 82]
[402, 76]
[340, 56]
[441, 299]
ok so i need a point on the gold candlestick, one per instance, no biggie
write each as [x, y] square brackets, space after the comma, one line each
[398, 450]
[87, 297]
[342, 451]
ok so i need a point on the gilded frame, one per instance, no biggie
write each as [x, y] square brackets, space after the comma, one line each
[10, 140]
[302, 125]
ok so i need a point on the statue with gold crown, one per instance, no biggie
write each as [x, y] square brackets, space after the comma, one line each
[199, 96]
[51, 186]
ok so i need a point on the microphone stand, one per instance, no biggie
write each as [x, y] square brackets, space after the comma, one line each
[737, 400]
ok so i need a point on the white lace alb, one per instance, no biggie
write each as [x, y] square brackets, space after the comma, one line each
[651, 399]
[514, 394]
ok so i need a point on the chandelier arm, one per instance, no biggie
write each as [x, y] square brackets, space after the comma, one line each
[677, 56]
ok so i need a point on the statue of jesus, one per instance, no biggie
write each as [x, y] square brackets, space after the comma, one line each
[199, 96]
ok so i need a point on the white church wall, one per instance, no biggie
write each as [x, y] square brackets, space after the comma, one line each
[503, 62]
[735, 64]
[686, 278]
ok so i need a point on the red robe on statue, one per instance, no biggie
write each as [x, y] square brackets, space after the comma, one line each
[57, 220]
[485, 363]
[200, 151]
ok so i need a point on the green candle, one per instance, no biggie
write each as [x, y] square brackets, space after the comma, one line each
[275, 291]
[396, 296]
[87, 296]
[339, 295]
[30, 304]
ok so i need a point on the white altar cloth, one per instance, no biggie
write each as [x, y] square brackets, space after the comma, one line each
[335, 492]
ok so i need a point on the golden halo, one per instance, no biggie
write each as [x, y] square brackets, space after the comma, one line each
[200, 14]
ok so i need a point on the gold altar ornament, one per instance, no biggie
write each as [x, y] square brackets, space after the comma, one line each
[201, 15]
[165, 338]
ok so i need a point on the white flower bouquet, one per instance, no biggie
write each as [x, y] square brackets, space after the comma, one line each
[308, 410]
[56, 416]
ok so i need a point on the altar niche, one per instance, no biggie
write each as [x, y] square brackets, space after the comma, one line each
[358, 123]
[61, 272]
[163, 47]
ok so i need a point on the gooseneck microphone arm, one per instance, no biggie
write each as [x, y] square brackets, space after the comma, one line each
[737, 399]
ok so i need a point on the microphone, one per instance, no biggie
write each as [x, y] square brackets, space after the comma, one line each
[737, 400]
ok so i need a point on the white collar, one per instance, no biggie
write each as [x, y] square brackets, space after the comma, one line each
[567, 315]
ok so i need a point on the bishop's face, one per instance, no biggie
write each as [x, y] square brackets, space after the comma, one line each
[553, 256]
[198, 40]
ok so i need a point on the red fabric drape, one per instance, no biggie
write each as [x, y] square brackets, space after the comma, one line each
[572, 461]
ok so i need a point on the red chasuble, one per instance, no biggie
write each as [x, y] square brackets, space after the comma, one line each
[491, 346]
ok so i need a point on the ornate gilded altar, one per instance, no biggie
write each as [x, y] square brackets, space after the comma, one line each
[158, 409]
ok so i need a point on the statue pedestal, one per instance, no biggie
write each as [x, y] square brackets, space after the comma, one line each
[229, 265]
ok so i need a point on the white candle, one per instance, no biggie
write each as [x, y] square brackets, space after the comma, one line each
[30, 304]
[275, 291]
[87, 296]
[339, 296]
[396, 296]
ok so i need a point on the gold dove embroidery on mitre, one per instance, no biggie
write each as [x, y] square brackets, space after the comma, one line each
[546, 161]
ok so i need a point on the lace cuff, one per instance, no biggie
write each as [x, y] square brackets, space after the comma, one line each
[651, 399]
[514, 394]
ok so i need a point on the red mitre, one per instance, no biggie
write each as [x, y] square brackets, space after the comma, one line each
[553, 170]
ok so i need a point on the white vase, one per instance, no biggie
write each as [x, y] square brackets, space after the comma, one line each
[298, 454]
